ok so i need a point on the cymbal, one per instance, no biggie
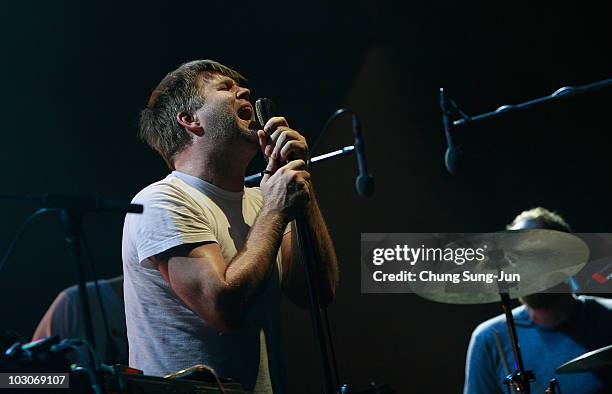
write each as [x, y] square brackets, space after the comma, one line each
[589, 361]
[541, 258]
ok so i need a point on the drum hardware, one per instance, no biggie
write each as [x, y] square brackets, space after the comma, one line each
[448, 106]
[589, 361]
[527, 252]
[541, 258]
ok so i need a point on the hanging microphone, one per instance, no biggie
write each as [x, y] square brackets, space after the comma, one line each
[364, 182]
[451, 155]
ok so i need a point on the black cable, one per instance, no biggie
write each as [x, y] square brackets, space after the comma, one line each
[91, 264]
[19, 232]
[95, 367]
[331, 347]
[328, 123]
[324, 130]
[87, 355]
[458, 110]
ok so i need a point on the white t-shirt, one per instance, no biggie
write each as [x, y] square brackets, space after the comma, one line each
[164, 334]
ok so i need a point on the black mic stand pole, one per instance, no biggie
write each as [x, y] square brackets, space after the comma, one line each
[71, 209]
[253, 180]
[305, 244]
[562, 93]
[71, 222]
[447, 104]
[519, 378]
[313, 295]
[450, 156]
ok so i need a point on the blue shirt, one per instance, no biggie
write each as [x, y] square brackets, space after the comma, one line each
[490, 359]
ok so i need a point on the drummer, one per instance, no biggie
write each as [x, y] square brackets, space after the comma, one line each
[552, 328]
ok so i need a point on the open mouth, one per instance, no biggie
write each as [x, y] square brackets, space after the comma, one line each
[245, 112]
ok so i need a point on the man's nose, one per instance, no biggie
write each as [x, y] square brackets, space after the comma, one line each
[243, 93]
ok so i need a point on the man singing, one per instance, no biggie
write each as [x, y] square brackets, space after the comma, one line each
[206, 262]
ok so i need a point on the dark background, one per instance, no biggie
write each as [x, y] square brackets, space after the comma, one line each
[75, 76]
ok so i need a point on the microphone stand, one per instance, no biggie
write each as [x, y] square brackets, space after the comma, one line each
[72, 210]
[71, 222]
[519, 378]
[253, 180]
[312, 285]
[557, 95]
[562, 93]
[305, 244]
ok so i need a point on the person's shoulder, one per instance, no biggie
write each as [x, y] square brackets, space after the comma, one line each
[171, 187]
[66, 299]
[498, 323]
[70, 293]
[253, 193]
[488, 327]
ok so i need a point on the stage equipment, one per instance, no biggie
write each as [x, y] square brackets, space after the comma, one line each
[590, 361]
[364, 183]
[137, 383]
[543, 258]
[71, 210]
[49, 355]
[365, 186]
[448, 107]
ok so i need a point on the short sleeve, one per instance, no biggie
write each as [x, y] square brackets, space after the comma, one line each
[170, 218]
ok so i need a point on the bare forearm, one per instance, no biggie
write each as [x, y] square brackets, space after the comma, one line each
[249, 270]
[324, 253]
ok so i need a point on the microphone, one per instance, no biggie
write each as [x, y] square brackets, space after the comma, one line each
[452, 154]
[264, 110]
[364, 182]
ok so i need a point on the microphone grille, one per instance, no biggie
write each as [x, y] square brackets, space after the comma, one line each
[264, 110]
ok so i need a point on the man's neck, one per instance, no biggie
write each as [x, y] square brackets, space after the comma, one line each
[222, 169]
[555, 315]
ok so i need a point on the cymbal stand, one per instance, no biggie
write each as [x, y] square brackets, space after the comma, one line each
[519, 379]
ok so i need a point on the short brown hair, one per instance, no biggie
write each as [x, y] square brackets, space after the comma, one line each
[179, 91]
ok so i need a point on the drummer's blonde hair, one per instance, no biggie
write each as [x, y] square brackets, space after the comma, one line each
[545, 219]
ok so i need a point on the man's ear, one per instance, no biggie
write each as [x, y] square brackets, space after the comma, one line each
[190, 122]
